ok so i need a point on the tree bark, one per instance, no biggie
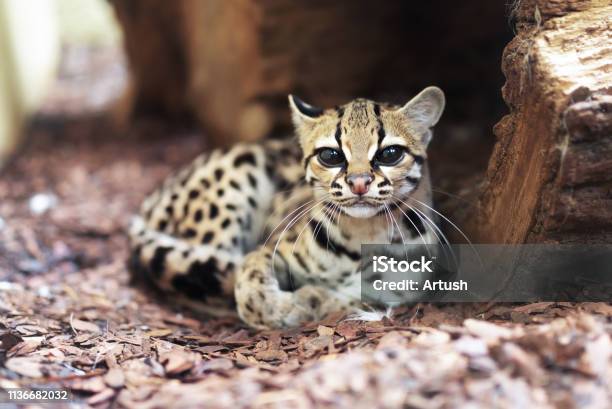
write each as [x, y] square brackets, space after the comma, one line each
[550, 175]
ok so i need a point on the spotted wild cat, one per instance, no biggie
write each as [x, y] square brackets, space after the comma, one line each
[279, 224]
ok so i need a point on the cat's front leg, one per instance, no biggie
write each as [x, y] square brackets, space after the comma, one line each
[263, 304]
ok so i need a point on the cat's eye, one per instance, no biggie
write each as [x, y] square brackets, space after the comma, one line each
[331, 157]
[389, 156]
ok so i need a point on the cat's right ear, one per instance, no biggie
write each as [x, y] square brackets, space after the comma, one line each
[301, 112]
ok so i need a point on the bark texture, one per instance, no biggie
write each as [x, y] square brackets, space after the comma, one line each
[550, 174]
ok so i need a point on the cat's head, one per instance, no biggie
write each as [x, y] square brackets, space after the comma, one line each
[363, 155]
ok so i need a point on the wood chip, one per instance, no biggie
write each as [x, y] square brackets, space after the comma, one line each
[115, 378]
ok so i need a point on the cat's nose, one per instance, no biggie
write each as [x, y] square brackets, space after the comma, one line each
[359, 183]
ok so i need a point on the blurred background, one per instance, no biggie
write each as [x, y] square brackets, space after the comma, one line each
[58, 57]
[225, 68]
[103, 98]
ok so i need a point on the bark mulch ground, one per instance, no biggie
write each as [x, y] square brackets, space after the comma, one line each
[70, 318]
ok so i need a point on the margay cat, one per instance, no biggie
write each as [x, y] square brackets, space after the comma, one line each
[279, 224]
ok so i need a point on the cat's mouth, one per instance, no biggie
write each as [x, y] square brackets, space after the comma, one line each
[362, 207]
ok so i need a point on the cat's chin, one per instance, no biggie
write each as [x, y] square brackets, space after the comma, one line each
[362, 210]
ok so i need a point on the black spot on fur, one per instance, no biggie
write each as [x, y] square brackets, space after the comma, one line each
[270, 171]
[245, 158]
[326, 242]
[338, 135]
[381, 128]
[197, 216]
[219, 174]
[301, 262]
[208, 237]
[161, 226]
[225, 223]
[234, 241]
[194, 194]
[158, 262]
[189, 233]
[381, 133]
[169, 210]
[384, 183]
[205, 183]
[174, 196]
[220, 192]
[252, 202]
[314, 302]
[418, 159]
[252, 181]
[336, 185]
[414, 223]
[230, 206]
[234, 184]
[255, 275]
[413, 180]
[214, 211]
[200, 280]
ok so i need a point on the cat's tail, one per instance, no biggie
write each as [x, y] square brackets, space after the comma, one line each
[200, 276]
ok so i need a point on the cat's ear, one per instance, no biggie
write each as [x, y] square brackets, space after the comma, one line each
[424, 111]
[301, 112]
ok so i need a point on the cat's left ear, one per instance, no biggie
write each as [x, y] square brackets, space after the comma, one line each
[301, 112]
[424, 111]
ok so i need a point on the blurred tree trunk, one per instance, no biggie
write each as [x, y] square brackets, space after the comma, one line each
[550, 174]
[231, 64]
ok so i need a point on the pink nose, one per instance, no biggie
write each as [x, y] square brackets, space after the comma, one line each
[359, 183]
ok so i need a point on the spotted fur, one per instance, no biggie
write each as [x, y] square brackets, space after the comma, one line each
[278, 228]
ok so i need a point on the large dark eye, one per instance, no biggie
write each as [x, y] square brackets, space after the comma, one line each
[389, 156]
[330, 157]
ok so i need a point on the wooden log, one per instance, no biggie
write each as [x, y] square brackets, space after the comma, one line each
[550, 174]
